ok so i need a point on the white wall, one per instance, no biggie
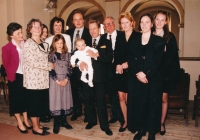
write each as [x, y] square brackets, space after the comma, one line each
[192, 29]
[193, 68]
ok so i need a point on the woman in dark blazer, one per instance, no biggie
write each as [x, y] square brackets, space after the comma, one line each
[123, 42]
[171, 66]
[12, 61]
[145, 81]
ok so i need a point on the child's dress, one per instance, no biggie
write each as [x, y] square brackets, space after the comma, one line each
[60, 98]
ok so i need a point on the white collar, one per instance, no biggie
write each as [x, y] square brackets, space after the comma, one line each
[15, 43]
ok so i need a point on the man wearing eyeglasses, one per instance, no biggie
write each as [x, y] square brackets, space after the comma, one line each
[109, 26]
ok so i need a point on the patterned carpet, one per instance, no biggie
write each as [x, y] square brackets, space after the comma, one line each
[175, 126]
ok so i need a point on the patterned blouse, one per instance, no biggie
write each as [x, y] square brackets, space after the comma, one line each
[63, 57]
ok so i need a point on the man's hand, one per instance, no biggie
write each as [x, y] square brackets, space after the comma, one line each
[92, 54]
[142, 77]
[125, 65]
[119, 69]
[83, 66]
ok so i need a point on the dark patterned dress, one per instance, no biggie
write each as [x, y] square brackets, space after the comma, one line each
[60, 98]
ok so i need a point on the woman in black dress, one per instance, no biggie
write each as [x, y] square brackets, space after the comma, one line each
[171, 61]
[145, 81]
[123, 41]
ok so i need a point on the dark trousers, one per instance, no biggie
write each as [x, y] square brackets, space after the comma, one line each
[99, 90]
[76, 85]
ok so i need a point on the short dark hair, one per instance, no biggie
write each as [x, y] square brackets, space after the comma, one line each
[12, 27]
[56, 19]
[143, 15]
[77, 12]
[30, 25]
[95, 21]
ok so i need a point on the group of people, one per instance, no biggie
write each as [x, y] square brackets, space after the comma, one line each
[53, 76]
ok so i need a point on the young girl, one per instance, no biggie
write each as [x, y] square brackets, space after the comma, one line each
[171, 61]
[60, 96]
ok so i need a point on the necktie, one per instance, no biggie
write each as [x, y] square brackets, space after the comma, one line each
[77, 36]
[94, 44]
[110, 38]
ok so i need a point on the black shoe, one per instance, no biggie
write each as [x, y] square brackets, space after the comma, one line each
[163, 132]
[56, 129]
[133, 131]
[44, 119]
[121, 129]
[113, 120]
[66, 125]
[108, 132]
[42, 134]
[139, 135]
[151, 137]
[90, 125]
[85, 120]
[74, 117]
[45, 128]
[22, 131]
[28, 127]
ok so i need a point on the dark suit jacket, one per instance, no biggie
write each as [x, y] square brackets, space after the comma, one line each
[113, 67]
[85, 35]
[100, 65]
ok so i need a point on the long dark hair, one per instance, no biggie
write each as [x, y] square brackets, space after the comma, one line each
[56, 38]
[166, 35]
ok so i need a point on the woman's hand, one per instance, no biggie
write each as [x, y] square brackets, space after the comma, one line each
[64, 82]
[125, 65]
[142, 77]
[119, 69]
[58, 82]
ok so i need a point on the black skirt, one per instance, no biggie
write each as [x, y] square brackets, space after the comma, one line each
[121, 81]
[38, 102]
[17, 95]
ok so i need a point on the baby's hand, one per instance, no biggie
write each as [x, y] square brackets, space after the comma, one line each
[73, 65]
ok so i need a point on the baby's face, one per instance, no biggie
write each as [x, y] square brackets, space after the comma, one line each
[80, 45]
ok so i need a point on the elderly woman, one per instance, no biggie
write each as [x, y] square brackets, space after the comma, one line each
[36, 75]
[12, 61]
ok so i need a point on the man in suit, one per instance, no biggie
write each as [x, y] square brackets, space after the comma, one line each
[100, 62]
[79, 31]
[109, 26]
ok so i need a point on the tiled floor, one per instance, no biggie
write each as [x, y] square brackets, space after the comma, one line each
[175, 126]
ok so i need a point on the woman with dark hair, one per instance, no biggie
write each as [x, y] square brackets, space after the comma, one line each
[45, 32]
[145, 81]
[171, 61]
[36, 75]
[12, 61]
[123, 42]
[57, 27]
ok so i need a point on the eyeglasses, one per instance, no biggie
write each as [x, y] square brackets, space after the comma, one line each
[108, 24]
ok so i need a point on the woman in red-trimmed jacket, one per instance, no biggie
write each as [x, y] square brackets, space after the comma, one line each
[12, 61]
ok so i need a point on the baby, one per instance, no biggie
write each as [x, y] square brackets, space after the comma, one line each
[81, 54]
